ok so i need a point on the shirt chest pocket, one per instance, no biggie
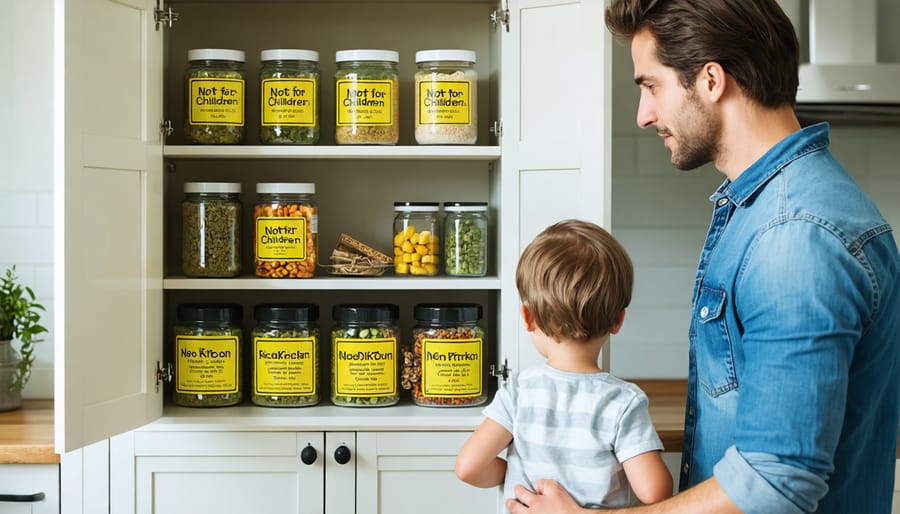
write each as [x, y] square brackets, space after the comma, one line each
[713, 347]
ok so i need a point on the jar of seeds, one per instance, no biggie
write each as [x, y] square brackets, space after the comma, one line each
[367, 89]
[284, 361]
[289, 90]
[465, 238]
[215, 96]
[445, 366]
[208, 355]
[211, 229]
[364, 361]
[446, 87]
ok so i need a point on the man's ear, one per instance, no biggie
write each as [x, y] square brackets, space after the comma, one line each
[528, 319]
[711, 81]
[618, 325]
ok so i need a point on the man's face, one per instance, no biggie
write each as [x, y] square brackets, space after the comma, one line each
[690, 130]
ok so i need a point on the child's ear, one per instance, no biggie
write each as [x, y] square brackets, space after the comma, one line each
[619, 322]
[528, 319]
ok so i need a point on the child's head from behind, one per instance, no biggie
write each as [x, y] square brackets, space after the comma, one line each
[576, 280]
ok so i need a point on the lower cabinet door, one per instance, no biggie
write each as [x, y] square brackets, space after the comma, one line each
[29, 489]
[229, 473]
[413, 472]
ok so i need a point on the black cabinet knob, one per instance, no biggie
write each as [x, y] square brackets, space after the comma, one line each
[308, 455]
[342, 454]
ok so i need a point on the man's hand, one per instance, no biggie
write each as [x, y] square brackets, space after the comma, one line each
[548, 497]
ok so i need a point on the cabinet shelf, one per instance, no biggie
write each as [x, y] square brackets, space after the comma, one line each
[332, 284]
[343, 152]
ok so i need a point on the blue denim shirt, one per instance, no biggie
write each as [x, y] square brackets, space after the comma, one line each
[794, 383]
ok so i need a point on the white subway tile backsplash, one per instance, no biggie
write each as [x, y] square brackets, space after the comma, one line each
[18, 209]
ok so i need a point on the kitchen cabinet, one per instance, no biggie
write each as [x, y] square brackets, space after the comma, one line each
[29, 489]
[542, 155]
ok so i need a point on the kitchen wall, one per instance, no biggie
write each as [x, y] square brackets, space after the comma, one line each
[26, 174]
[661, 214]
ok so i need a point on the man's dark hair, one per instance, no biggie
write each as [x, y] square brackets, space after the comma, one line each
[753, 41]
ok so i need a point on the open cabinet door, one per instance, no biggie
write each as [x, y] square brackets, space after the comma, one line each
[556, 112]
[108, 223]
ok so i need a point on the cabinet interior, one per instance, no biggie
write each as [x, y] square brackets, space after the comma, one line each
[355, 191]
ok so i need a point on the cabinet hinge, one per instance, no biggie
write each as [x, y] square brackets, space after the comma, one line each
[499, 16]
[164, 374]
[165, 128]
[502, 371]
[496, 129]
[164, 16]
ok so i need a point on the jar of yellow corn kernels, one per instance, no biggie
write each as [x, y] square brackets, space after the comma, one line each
[417, 242]
[285, 227]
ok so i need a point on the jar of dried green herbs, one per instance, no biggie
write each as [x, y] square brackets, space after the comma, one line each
[289, 90]
[367, 89]
[465, 238]
[211, 229]
[215, 96]
[364, 361]
[208, 341]
[285, 355]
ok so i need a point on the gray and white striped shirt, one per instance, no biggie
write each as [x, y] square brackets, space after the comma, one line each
[575, 428]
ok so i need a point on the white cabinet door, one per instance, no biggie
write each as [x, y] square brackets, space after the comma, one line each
[29, 489]
[228, 473]
[108, 219]
[413, 472]
[555, 107]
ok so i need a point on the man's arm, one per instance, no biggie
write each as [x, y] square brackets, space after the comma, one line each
[550, 498]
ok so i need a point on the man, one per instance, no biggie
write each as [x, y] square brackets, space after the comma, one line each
[794, 379]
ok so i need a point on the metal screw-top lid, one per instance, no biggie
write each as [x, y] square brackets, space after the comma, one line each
[448, 312]
[210, 312]
[366, 313]
[286, 312]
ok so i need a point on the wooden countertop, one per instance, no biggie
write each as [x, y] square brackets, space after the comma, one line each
[26, 434]
[667, 399]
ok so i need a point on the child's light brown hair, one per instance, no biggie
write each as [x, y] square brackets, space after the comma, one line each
[576, 279]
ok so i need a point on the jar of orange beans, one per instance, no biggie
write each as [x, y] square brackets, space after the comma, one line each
[445, 365]
[285, 226]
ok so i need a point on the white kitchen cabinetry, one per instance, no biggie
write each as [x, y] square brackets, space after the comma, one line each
[542, 155]
[29, 489]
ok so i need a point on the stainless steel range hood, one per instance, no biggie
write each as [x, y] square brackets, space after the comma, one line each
[848, 78]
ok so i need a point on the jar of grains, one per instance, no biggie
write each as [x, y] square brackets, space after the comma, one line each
[465, 238]
[208, 355]
[285, 355]
[446, 91]
[289, 90]
[445, 365]
[211, 229]
[364, 361]
[215, 96]
[285, 222]
[417, 242]
[367, 90]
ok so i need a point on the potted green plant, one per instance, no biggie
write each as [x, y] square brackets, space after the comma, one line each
[19, 319]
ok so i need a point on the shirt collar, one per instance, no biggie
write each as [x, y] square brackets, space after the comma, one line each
[806, 140]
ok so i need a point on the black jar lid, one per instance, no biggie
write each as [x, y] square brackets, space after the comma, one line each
[365, 313]
[286, 312]
[447, 312]
[210, 312]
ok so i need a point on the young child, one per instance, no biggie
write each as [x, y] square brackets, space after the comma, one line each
[567, 419]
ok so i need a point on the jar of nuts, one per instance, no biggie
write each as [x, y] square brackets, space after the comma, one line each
[365, 353]
[285, 224]
[417, 242]
[445, 365]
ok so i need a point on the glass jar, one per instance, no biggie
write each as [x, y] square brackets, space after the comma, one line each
[365, 353]
[208, 355]
[417, 242]
[284, 362]
[367, 91]
[215, 96]
[445, 367]
[465, 238]
[211, 229]
[446, 93]
[289, 90]
[286, 228]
